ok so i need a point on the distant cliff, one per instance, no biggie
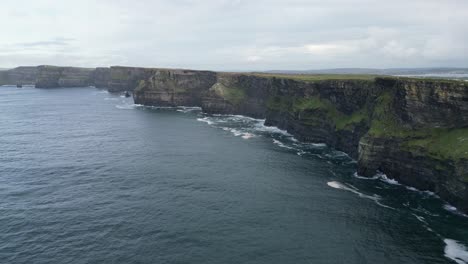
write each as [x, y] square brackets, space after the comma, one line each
[115, 78]
[414, 130]
[19, 75]
[53, 76]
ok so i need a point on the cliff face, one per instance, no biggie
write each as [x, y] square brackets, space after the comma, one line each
[413, 130]
[101, 77]
[126, 78]
[419, 135]
[174, 87]
[19, 75]
[51, 77]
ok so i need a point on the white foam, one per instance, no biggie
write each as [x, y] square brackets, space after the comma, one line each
[379, 176]
[454, 210]
[301, 152]
[420, 218]
[260, 126]
[350, 188]
[206, 120]
[281, 144]
[375, 177]
[247, 135]
[126, 106]
[455, 251]
[384, 178]
[187, 109]
[318, 145]
[111, 98]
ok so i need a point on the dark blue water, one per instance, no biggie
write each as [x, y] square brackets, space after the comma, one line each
[88, 177]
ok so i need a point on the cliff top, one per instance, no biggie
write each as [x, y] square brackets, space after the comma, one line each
[317, 77]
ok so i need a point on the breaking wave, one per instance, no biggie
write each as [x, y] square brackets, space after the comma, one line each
[350, 188]
[455, 251]
[127, 106]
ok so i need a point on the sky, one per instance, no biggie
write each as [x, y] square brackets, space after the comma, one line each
[236, 34]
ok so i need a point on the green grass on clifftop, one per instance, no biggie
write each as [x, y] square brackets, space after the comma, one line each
[317, 77]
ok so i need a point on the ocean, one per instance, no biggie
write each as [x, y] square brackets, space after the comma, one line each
[89, 177]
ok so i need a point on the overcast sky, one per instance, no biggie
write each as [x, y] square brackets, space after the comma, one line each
[235, 35]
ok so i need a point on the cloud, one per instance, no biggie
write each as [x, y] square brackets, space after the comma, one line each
[236, 35]
[52, 42]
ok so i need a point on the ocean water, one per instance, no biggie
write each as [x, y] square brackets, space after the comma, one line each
[89, 177]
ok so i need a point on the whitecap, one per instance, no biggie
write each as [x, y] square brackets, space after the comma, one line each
[111, 98]
[206, 120]
[454, 210]
[260, 126]
[356, 175]
[455, 251]
[247, 135]
[350, 188]
[281, 144]
[301, 152]
[126, 106]
[384, 178]
[187, 109]
[339, 185]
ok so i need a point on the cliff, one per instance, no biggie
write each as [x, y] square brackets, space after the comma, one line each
[19, 75]
[101, 77]
[126, 78]
[52, 77]
[414, 130]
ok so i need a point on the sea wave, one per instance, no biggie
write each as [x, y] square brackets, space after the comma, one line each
[453, 210]
[350, 188]
[456, 251]
[206, 120]
[127, 106]
[281, 144]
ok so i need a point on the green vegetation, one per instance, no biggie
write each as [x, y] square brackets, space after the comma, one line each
[141, 85]
[442, 143]
[384, 121]
[234, 95]
[433, 79]
[345, 121]
[439, 143]
[303, 106]
[120, 75]
[317, 77]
